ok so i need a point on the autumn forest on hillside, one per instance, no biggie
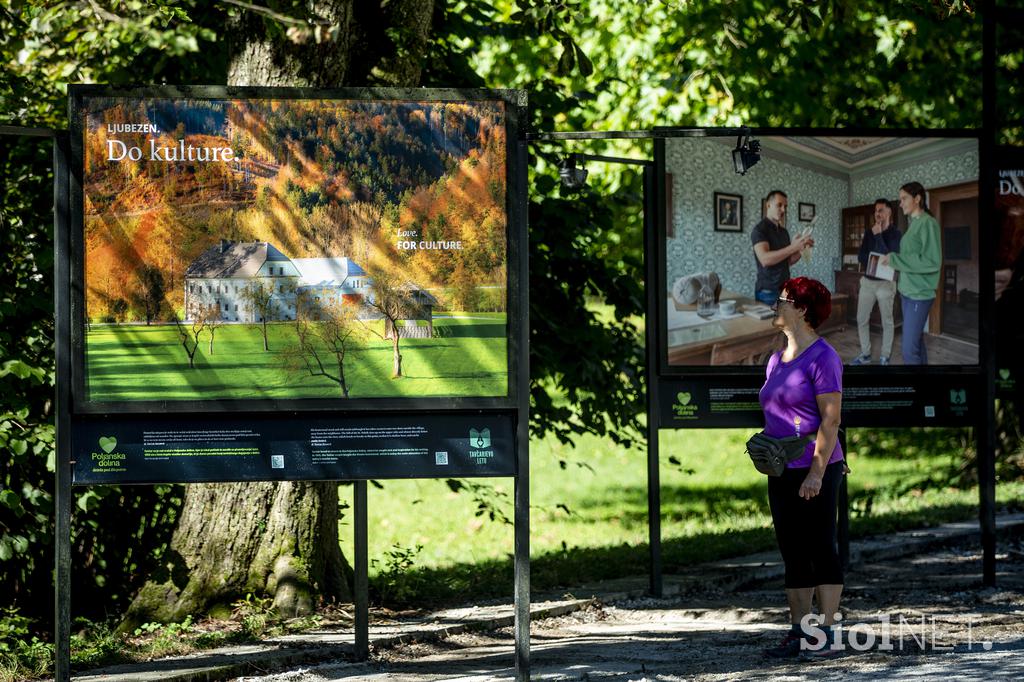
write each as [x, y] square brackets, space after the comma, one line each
[313, 178]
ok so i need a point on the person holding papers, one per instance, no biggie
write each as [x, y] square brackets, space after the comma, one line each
[882, 238]
[918, 261]
[774, 252]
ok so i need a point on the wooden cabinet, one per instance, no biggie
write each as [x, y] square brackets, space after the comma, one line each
[848, 282]
[856, 220]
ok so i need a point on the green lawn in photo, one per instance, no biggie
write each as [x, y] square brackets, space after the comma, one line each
[467, 357]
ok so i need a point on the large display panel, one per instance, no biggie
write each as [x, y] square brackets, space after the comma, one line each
[841, 193]
[239, 251]
[1009, 271]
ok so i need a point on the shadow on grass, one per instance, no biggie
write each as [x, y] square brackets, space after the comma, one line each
[470, 331]
[571, 567]
[628, 505]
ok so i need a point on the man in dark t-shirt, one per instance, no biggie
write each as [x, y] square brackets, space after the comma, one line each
[774, 252]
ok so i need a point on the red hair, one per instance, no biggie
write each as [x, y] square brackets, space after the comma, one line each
[810, 296]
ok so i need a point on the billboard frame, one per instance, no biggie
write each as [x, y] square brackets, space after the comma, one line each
[70, 366]
[662, 134]
[895, 377]
[515, 331]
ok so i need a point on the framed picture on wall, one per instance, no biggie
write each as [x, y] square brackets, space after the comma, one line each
[728, 212]
[806, 212]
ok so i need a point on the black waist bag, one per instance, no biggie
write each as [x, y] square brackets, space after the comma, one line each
[771, 455]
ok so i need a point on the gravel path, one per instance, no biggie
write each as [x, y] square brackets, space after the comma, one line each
[951, 627]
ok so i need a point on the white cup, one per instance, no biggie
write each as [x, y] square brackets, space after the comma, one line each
[727, 307]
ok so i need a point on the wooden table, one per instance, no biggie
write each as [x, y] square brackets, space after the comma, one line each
[741, 340]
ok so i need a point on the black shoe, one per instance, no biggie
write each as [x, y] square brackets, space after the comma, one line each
[824, 653]
[789, 647]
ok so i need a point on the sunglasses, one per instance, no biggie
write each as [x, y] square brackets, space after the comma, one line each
[781, 300]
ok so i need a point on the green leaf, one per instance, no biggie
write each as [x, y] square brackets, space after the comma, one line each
[568, 58]
[586, 66]
[12, 501]
[20, 370]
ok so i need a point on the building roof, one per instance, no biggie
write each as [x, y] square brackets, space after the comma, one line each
[234, 259]
[421, 296]
[327, 271]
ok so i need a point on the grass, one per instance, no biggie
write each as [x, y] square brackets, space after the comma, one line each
[467, 357]
[96, 644]
[429, 544]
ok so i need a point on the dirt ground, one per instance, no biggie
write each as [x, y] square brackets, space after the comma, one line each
[943, 623]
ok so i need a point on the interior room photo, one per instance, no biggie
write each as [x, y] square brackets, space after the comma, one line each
[831, 185]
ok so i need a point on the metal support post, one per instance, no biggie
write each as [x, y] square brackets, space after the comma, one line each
[843, 522]
[521, 512]
[362, 583]
[985, 416]
[62, 333]
[651, 328]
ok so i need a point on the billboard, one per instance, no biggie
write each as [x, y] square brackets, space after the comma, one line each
[235, 250]
[1009, 270]
[823, 205]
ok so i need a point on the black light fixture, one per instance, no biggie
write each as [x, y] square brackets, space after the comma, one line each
[746, 154]
[572, 177]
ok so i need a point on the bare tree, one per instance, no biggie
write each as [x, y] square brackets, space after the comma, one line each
[259, 296]
[214, 321]
[394, 300]
[189, 332]
[326, 333]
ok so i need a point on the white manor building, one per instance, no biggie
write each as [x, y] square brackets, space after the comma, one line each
[222, 275]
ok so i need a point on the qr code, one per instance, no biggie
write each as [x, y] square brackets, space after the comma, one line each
[929, 410]
[440, 458]
[277, 461]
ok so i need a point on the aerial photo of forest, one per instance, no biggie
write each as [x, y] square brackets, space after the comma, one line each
[294, 249]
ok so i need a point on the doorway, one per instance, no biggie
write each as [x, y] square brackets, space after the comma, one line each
[956, 209]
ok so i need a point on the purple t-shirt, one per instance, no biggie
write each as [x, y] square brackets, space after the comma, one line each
[789, 395]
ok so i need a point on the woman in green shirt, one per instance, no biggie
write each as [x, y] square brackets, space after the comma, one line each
[918, 262]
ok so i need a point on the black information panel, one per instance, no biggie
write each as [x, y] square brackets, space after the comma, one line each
[204, 448]
[731, 401]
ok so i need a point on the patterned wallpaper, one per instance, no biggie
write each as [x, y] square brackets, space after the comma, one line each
[952, 170]
[701, 167]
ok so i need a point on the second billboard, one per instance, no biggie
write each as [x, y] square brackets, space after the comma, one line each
[840, 210]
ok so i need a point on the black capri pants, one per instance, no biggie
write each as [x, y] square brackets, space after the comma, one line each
[806, 529]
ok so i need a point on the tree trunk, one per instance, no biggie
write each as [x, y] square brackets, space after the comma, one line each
[396, 364]
[281, 539]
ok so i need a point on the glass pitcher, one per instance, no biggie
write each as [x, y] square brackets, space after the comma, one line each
[706, 302]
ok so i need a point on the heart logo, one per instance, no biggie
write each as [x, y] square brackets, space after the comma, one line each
[1005, 374]
[108, 443]
[683, 398]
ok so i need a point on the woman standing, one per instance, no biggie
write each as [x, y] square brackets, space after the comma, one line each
[802, 396]
[918, 262]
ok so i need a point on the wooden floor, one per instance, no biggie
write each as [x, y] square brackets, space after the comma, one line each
[942, 350]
